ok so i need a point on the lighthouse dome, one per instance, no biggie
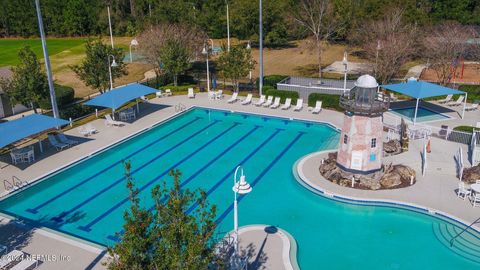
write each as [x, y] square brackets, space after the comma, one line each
[366, 81]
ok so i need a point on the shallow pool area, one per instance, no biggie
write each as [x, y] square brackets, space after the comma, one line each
[423, 114]
[87, 200]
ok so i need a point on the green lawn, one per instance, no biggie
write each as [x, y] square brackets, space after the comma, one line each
[10, 48]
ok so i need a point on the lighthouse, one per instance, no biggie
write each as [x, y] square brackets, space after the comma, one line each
[361, 145]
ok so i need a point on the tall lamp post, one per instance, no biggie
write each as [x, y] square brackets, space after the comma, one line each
[205, 52]
[228, 28]
[379, 47]
[134, 42]
[345, 65]
[260, 58]
[110, 65]
[241, 187]
[110, 25]
[249, 47]
[47, 61]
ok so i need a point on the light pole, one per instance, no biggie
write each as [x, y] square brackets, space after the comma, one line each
[110, 25]
[249, 47]
[134, 42]
[205, 52]
[345, 64]
[113, 64]
[228, 28]
[47, 61]
[379, 47]
[260, 58]
[241, 187]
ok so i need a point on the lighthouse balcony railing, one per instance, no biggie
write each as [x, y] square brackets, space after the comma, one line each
[376, 106]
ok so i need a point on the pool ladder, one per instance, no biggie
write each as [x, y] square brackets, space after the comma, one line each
[15, 183]
[180, 107]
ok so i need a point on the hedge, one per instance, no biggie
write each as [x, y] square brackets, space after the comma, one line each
[282, 94]
[472, 90]
[468, 129]
[328, 101]
[178, 88]
[65, 95]
[271, 80]
[76, 111]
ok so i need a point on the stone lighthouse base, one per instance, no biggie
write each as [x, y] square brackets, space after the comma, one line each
[389, 177]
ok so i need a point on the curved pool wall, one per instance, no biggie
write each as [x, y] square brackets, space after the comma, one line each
[207, 145]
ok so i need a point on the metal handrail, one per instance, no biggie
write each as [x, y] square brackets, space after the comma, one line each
[464, 230]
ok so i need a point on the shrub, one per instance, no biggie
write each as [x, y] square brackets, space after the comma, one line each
[76, 111]
[271, 80]
[468, 129]
[64, 95]
[282, 94]
[328, 101]
[179, 88]
[472, 90]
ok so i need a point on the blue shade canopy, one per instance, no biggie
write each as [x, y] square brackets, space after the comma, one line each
[420, 89]
[18, 129]
[119, 96]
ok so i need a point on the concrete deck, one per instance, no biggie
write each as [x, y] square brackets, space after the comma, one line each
[436, 191]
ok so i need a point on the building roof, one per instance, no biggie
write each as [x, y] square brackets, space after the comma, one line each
[117, 97]
[21, 128]
[366, 81]
[421, 89]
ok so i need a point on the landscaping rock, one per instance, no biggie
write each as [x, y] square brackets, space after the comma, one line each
[471, 175]
[392, 147]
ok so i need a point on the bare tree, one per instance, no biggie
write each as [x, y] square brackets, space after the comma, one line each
[318, 17]
[443, 45]
[388, 43]
[171, 48]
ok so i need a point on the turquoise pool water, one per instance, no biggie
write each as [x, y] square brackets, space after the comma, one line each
[88, 199]
[423, 114]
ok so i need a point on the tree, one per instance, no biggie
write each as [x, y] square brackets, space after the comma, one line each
[318, 17]
[388, 42]
[93, 70]
[235, 64]
[167, 237]
[171, 48]
[443, 45]
[29, 84]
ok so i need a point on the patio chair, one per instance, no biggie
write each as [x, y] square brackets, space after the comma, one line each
[62, 138]
[58, 145]
[276, 103]
[393, 97]
[110, 122]
[318, 107]
[168, 92]
[144, 99]
[473, 107]
[475, 199]
[16, 158]
[211, 94]
[462, 191]
[456, 103]
[287, 105]
[219, 94]
[268, 102]
[248, 100]
[233, 98]
[443, 132]
[446, 100]
[159, 94]
[299, 105]
[261, 101]
[191, 94]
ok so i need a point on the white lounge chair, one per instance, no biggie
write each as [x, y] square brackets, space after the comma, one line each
[446, 100]
[288, 103]
[458, 102]
[110, 122]
[62, 138]
[25, 264]
[268, 102]
[87, 130]
[58, 145]
[473, 107]
[144, 99]
[233, 98]
[159, 93]
[191, 94]
[211, 94]
[462, 191]
[261, 101]
[299, 105]
[11, 258]
[168, 92]
[247, 100]
[276, 103]
[318, 107]
[219, 94]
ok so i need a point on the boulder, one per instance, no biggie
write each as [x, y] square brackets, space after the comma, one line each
[392, 147]
[471, 175]
[391, 180]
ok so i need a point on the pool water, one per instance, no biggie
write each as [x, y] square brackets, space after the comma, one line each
[423, 114]
[88, 199]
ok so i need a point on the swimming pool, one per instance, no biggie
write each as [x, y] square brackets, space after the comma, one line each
[423, 114]
[87, 200]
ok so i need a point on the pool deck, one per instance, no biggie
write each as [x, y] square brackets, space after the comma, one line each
[427, 192]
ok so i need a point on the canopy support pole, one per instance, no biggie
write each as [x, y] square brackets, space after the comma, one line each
[113, 114]
[138, 108]
[464, 104]
[416, 110]
[40, 145]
